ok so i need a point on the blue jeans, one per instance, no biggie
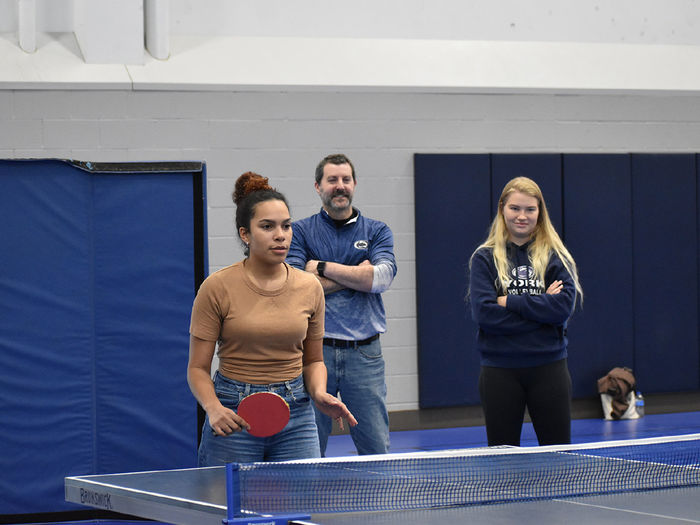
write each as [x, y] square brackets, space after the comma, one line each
[357, 373]
[298, 440]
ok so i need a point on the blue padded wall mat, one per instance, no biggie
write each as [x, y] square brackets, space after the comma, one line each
[598, 233]
[665, 210]
[631, 222]
[143, 292]
[97, 284]
[453, 206]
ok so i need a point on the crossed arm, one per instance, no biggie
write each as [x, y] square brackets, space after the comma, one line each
[553, 289]
[489, 308]
[339, 276]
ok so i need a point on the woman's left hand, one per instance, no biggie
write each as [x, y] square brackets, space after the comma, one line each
[555, 287]
[335, 409]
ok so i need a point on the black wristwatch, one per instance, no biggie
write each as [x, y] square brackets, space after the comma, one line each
[321, 267]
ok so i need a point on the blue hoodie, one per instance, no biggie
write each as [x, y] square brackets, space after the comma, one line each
[531, 329]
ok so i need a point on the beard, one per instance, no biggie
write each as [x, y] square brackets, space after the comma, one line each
[328, 201]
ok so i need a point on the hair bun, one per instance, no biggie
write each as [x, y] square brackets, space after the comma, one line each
[248, 183]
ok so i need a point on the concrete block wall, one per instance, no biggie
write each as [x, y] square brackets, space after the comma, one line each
[283, 135]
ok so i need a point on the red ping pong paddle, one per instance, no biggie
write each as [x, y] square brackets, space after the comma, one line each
[266, 412]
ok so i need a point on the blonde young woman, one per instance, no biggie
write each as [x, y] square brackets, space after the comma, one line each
[523, 289]
[268, 320]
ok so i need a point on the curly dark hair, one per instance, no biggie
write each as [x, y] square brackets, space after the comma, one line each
[250, 190]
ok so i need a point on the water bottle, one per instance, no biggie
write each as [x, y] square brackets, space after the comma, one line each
[639, 404]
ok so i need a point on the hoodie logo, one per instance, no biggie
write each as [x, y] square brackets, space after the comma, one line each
[361, 245]
[524, 282]
[523, 272]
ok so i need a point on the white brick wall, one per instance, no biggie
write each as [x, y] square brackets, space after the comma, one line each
[283, 135]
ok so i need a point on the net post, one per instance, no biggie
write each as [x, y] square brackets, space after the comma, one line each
[234, 514]
[233, 491]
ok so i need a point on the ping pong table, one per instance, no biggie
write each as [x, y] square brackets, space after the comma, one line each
[198, 496]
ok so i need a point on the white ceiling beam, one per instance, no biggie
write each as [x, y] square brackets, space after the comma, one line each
[157, 17]
[27, 25]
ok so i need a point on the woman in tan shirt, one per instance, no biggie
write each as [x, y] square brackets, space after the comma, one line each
[268, 321]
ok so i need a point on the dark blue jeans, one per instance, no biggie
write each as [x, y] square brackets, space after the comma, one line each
[298, 440]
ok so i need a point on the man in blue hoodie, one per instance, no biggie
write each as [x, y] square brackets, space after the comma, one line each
[353, 258]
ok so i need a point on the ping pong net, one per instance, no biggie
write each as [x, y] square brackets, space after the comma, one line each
[469, 476]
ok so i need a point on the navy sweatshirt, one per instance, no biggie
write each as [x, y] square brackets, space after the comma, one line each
[531, 329]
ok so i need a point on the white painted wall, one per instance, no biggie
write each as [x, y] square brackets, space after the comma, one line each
[613, 21]
[54, 106]
[52, 16]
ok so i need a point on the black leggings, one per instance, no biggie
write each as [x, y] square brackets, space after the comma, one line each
[545, 390]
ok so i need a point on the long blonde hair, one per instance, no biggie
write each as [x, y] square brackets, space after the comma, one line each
[545, 238]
